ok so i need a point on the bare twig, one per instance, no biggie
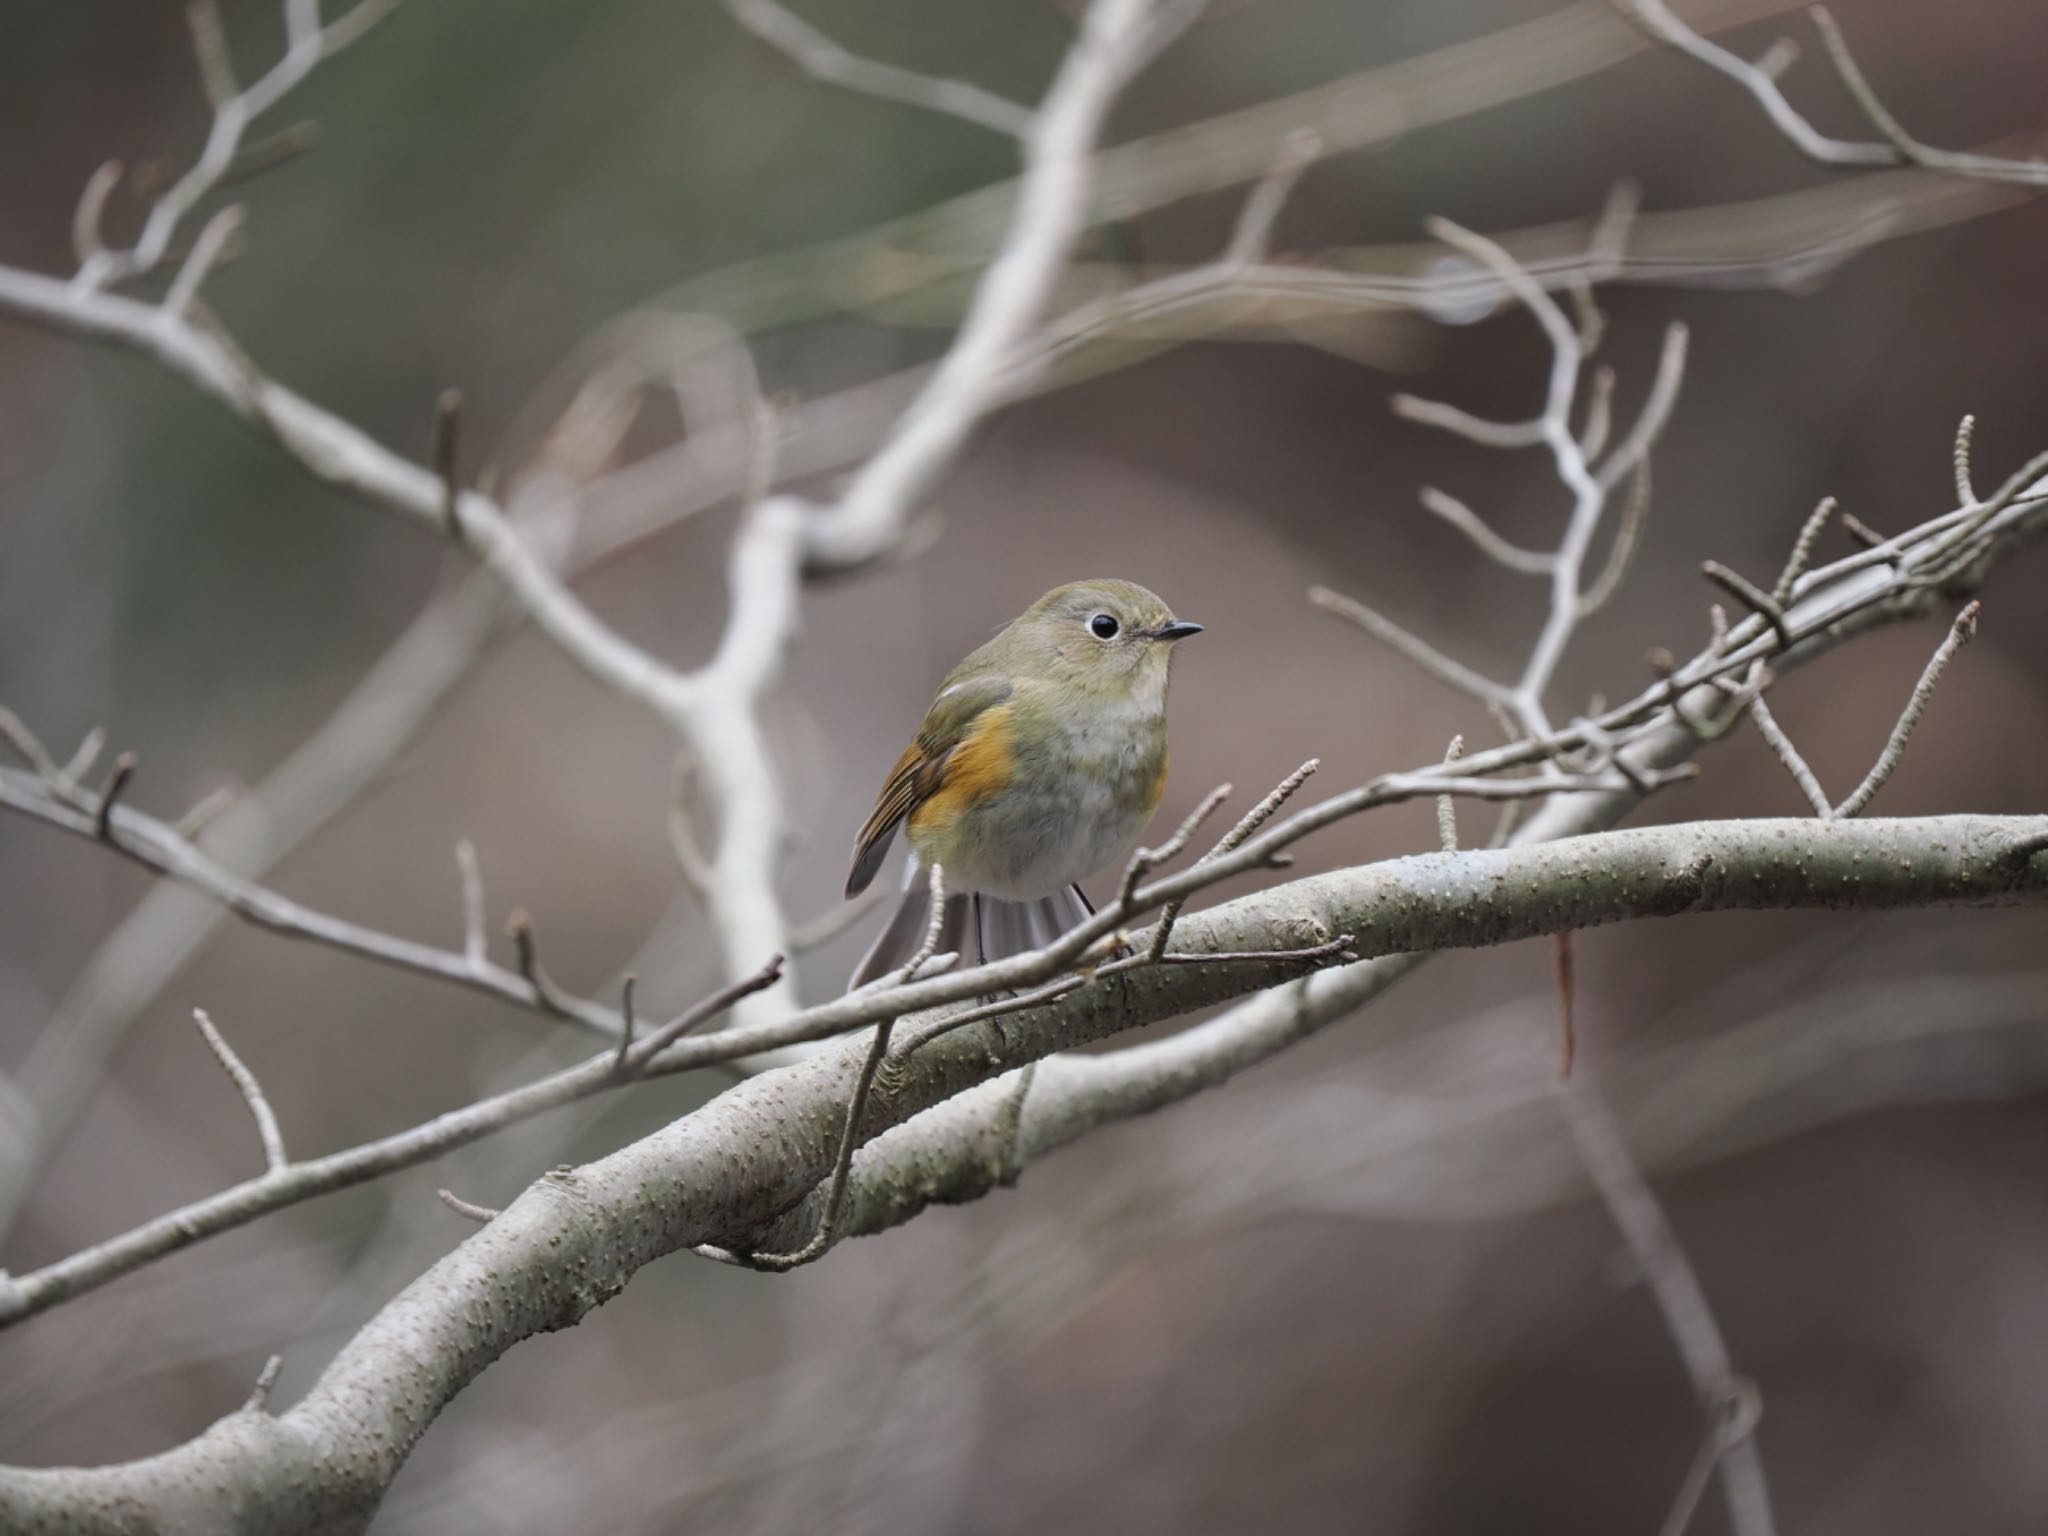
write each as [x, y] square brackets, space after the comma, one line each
[110, 796]
[818, 54]
[1049, 214]
[627, 1023]
[1751, 596]
[1788, 754]
[1684, 1304]
[1253, 233]
[1599, 414]
[160, 848]
[1530, 562]
[842, 1161]
[266, 1382]
[1802, 550]
[519, 929]
[206, 810]
[641, 1058]
[2026, 172]
[1960, 633]
[1861, 531]
[1418, 650]
[1462, 423]
[86, 242]
[1656, 18]
[28, 747]
[1628, 538]
[482, 1215]
[1249, 823]
[1144, 860]
[234, 109]
[73, 773]
[1446, 807]
[1966, 494]
[217, 239]
[274, 1159]
[1633, 450]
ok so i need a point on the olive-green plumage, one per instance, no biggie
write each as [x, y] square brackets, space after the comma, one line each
[1040, 760]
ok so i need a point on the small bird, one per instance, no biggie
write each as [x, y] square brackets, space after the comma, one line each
[1038, 763]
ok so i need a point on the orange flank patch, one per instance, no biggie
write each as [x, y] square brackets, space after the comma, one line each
[978, 767]
[1158, 787]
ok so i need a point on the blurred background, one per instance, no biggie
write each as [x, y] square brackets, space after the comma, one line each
[1365, 1287]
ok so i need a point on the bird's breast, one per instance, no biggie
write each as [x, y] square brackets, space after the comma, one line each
[1079, 779]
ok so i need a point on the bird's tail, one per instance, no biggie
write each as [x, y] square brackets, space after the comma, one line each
[976, 927]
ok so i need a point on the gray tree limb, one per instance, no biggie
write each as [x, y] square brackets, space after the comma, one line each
[726, 1174]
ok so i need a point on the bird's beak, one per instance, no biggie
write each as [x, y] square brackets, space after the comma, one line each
[1179, 629]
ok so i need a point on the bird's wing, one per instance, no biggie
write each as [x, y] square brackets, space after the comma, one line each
[920, 772]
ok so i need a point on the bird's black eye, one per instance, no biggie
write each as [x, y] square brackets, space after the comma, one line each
[1103, 626]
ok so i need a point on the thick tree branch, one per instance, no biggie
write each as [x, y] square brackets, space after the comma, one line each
[728, 1172]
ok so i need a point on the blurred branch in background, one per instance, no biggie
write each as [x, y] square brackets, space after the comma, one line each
[579, 510]
[867, 1130]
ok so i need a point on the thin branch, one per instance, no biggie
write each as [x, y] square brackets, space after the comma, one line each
[1960, 633]
[217, 239]
[1249, 823]
[1656, 18]
[1774, 736]
[1252, 236]
[28, 747]
[1628, 538]
[274, 1159]
[1599, 414]
[261, 156]
[1462, 423]
[817, 54]
[160, 848]
[1966, 494]
[627, 1023]
[1530, 562]
[482, 1215]
[1049, 214]
[110, 796]
[1144, 860]
[234, 109]
[206, 810]
[519, 929]
[2033, 173]
[1751, 596]
[1802, 549]
[210, 44]
[266, 1381]
[1634, 449]
[641, 1058]
[1684, 1304]
[86, 241]
[1861, 531]
[1447, 807]
[1418, 650]
[73, 773]
[849, 1143]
